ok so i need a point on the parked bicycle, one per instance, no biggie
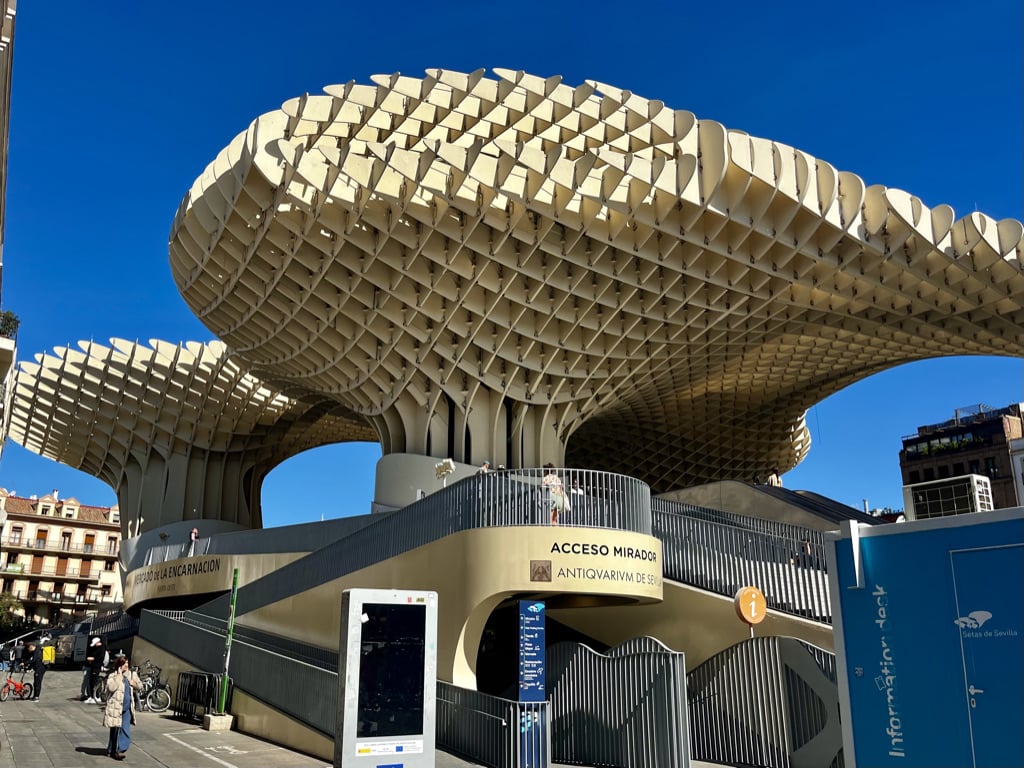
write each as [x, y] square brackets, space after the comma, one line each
[156, 694]
[19, 688]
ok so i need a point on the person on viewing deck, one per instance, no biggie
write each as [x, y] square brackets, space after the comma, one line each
[556, 492]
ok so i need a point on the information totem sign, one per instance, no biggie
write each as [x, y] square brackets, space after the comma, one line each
[533, 736]
[929, 638]
[387, 678]
[532, 651]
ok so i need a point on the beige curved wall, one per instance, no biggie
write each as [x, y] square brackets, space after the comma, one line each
[474, 571]
[610, 597]
[199, 575]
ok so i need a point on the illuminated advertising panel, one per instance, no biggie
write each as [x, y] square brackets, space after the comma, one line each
[387, 679]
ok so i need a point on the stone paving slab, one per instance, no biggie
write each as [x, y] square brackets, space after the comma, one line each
[62, 732]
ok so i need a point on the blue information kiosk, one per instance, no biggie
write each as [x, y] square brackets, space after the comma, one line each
[929, 634]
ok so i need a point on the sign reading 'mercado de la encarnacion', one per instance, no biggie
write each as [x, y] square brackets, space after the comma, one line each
[187, 576]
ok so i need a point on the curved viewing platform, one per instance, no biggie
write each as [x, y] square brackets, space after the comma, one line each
[703, 548]
[527, 499]
[500, 498]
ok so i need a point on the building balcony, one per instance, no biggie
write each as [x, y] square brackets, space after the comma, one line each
[18, 543]
[23, 570]
[48, 597]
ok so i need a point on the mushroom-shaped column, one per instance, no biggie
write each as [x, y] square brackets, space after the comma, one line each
[524, 270]
[179, 431]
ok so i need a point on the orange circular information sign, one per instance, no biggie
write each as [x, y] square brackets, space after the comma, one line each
[751, 605]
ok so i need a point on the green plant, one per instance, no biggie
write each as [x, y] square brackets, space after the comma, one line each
[9, 605]
[9, 323]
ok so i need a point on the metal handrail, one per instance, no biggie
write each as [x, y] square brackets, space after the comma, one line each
[787, 563]
[767, 701]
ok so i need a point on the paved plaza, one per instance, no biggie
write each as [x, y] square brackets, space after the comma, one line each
[61, 732]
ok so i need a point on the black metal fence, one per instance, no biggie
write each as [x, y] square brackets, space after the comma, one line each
[302, 681]
[786, 562]
[493, 731]
[624, 708]
[768, 701]
[198, 691]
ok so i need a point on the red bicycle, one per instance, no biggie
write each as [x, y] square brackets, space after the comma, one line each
[19, 688]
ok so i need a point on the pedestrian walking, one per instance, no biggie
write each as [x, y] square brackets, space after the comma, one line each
[119, 714]
[94, 659]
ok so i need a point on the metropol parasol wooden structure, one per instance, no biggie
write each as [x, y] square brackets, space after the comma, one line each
[516, 268]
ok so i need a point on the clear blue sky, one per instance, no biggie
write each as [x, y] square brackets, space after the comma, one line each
[117, 107]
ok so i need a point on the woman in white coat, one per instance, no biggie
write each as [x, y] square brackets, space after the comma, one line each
[119, 715]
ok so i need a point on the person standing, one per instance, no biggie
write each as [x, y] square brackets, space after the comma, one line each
[19, 657]
[193, 537]
[774, 479]
[34, 656]
[119, 715]
[94, 661]
[556, 492]
[485, 467]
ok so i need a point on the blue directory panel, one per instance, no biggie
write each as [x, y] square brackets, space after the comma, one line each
[929, 628]
[532, 654]
[532, 688]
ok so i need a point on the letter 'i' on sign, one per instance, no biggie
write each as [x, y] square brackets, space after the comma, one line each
[751, 606]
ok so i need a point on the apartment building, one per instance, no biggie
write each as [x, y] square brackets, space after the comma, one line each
[976, 441]
[59, 557]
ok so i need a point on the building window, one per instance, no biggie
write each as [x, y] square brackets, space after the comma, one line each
[41, 535]
[112, 545]
[929, 474]
[69, 513]
[90, 542]
[106, 590]
[975, 467]
[990, 467]
[15, 537]
[915, 476]
[108, 566]
[44, 510]
[65, 541]
[943, 471]
[958, 468]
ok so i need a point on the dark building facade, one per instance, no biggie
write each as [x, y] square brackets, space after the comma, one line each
[976, 441]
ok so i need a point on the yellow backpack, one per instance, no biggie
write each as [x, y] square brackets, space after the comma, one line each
[49, 654]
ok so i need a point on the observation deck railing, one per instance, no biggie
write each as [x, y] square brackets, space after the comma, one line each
[494, 499]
